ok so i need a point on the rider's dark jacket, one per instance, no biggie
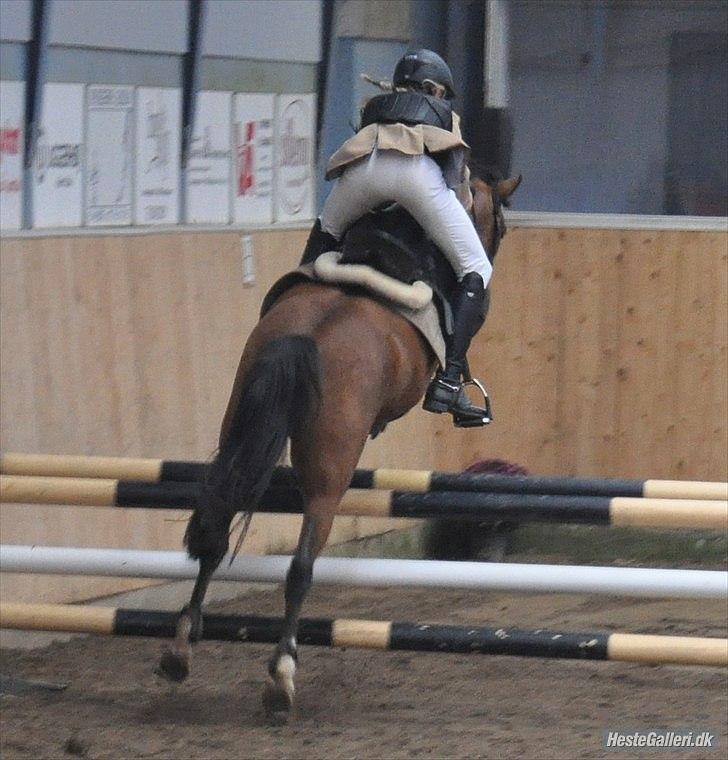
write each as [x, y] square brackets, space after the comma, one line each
[446, 146]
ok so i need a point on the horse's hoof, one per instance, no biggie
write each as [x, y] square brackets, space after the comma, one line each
[277, 703]
[173, 666]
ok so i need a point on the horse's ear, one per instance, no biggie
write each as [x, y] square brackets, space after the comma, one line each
[506, 187]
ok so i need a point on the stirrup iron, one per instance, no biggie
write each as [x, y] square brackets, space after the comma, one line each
[463, 421]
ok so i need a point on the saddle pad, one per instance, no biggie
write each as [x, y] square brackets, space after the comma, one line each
[426, 320]
[328, 269]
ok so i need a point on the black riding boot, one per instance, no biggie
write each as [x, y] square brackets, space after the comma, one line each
[318, 242]
[446, 392]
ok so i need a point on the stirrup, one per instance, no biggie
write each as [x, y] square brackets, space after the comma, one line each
[474, 416]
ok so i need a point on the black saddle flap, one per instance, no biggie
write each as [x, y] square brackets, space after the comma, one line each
[391, 241]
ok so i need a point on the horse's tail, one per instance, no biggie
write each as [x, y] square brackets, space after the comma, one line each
[280, 391]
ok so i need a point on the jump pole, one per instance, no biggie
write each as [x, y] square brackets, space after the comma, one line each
[375, 634]
[518, 507]
[378, 573]
[159, 470]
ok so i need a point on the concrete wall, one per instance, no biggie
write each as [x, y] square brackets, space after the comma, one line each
[269, 30]
[262, 45]
[275, 30]
[589, 95]
[15, 20]
[158, 27]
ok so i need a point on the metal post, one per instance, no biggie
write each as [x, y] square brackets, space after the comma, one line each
[35, 76]
[495, 71]
[190, 86]
[497, 132]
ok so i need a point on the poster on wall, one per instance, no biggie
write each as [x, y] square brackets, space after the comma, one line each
[12, 102]
[253, 165]
[57, 183]
[157, 155]
[209, 162]
[109, 154]
[294, 163]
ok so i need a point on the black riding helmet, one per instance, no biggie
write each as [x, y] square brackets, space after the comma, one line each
[420, 65]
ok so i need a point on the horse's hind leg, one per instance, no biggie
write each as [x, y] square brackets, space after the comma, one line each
[279, 690]
[207, 540]
[175, 662]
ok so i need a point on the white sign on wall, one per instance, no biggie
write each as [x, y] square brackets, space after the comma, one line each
[209, 162]
[109, 154]
[12, 102]
[158, 155]
[57, 163]
[253, 153]
[295, 145]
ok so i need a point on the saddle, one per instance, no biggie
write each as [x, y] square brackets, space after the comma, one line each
[411, 269]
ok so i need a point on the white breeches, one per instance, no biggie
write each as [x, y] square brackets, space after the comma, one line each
[416, 183]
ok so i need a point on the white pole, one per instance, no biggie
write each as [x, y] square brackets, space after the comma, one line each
[617, 581]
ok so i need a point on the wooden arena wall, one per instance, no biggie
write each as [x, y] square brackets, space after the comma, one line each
[605, 354]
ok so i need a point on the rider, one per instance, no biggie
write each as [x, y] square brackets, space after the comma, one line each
[409, 149]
